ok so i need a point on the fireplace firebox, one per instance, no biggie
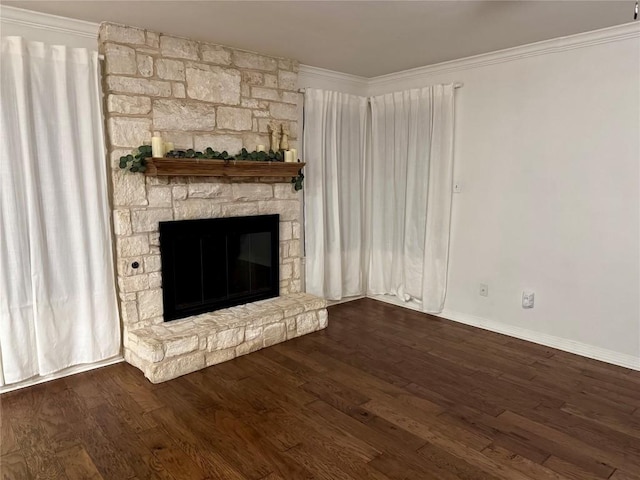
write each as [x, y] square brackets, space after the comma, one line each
[209, 264]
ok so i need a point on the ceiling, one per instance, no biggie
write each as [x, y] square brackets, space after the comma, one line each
[366, 38]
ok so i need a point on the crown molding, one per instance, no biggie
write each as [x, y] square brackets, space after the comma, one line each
[545, 47]
[45, 21]
[355, 81]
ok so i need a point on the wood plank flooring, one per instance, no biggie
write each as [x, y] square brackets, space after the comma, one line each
[383, 393]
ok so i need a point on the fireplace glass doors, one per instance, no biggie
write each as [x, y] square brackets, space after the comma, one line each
[216, 263]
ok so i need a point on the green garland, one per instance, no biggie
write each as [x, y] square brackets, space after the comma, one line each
[136, 162]
[298, 181]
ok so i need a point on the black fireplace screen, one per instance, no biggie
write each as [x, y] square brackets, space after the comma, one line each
[217, 263]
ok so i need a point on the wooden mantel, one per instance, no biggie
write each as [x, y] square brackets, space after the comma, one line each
[202, 167]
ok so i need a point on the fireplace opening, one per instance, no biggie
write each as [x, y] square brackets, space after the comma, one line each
[215, 263]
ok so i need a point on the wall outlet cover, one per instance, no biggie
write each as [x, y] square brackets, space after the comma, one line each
[528, 299]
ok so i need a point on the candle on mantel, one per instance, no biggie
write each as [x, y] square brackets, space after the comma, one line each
[260, 148]
[294, 152]
[168, 146]
[288, 156]
[157, 147]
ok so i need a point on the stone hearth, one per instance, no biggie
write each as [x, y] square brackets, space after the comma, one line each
[179, 347]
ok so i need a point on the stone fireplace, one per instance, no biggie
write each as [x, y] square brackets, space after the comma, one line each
[197, 95]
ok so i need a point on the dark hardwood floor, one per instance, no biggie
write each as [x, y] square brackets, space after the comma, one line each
[383, 393]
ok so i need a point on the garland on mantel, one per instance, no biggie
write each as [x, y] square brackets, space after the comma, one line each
[136, 162]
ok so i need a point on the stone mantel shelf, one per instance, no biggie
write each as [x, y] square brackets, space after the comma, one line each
[202, 167]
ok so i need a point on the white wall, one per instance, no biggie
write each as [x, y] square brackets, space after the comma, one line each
[547, 152]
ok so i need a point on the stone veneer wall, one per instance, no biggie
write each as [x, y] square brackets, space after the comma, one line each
[196, 95]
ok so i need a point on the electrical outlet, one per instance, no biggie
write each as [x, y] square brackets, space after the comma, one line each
[528, 299]
[484, 290]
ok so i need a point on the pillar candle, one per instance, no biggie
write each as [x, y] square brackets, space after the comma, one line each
[157, 147]
[168, 146]
[294, 153]
[288, 156]
[260, 148]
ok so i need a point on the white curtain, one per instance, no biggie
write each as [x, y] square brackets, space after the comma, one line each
[57, 294]
[335, 139]
[411, 176]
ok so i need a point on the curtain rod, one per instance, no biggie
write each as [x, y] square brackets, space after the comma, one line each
[455, 85]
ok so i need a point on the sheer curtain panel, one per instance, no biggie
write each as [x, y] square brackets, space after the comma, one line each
[57, 293]
[335, 140]
[411, 175]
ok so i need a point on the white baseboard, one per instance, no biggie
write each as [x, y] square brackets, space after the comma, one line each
[344, 300]
[571, 346]
[62, 373]
[566, 345]
[411, 304]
